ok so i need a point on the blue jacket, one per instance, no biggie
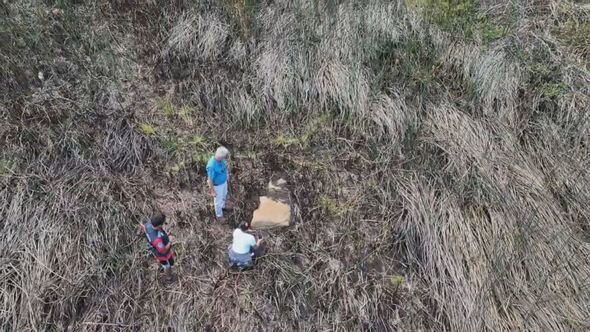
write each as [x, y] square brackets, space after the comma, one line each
[217, 171]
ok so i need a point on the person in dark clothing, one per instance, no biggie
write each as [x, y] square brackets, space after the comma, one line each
[159, 243]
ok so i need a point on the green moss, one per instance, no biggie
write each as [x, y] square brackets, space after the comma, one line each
[147, 128]
[397, 280]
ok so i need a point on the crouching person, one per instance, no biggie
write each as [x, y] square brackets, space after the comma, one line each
[244, 248]
[159, 243]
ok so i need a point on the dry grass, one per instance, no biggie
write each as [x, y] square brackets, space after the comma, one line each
[438, 163]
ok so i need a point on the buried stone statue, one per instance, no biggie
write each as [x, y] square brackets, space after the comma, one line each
[275, 208]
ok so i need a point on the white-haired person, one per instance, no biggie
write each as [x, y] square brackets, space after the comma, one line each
[217, 177]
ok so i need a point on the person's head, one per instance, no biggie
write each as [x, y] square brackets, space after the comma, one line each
[158, 219]
[221, 153]
[244, 226]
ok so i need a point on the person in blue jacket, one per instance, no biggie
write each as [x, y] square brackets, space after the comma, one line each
[217, 177]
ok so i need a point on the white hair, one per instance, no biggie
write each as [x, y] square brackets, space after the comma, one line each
[221, 152]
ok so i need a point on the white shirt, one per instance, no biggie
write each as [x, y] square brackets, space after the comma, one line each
[242, 242]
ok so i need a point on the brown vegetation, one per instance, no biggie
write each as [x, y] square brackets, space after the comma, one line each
[437, 153]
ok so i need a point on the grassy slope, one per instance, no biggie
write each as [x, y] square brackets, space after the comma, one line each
[437, 150]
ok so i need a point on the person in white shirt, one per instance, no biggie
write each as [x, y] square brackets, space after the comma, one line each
[243, 249]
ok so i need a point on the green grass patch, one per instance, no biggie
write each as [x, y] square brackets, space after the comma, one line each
[287, 141]
[169, 110]
[166, 107]
[175, 144]
[411, 59]
[543, 76]
[491, 32]
[186, 112]
[332, 206]
[576, 35]
[200, 157]
[308, 134]
[197, 140]
[171, 144]
[244, 13]
[460, 17]
[175, 169]
[552, 90]
[7, 166]
[451, 15]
